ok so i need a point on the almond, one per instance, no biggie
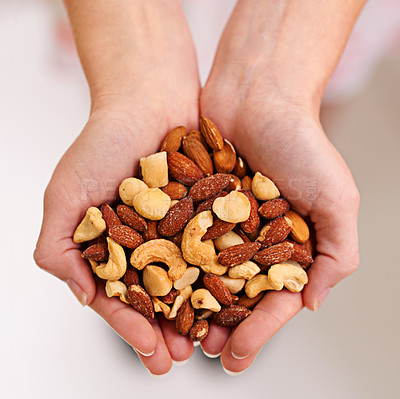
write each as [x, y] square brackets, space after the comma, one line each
[240, 168]
[211, 134]
[231, 316]
[183, 169]
[208, 203]
[109, 216]
[177, 238]
[131, 277]
[199, 330]
[151, 232]
[253, 221]
[225, 159]
[141, 301]
[238, 253]
[276, 254]
[218, 229]
[300, 231]
[246, 183]
[184, 318]
[250, 303]
[275, 232]
[234, 183]
[173, 140]
[200, 137]
[175, 190]
[96, 252]
[209, 186]
[218, 289]
[274, 208]
[194, 150]
[169, 299]
[300, 254]
[176, 218]
[125, 236]
[130, 218]
[242, 234]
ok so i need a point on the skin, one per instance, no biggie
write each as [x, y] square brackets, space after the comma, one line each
[143, 80]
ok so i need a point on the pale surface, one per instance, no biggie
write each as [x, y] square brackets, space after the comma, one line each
[51, 347]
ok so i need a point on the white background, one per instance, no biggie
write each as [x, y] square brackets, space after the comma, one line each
[52, 347]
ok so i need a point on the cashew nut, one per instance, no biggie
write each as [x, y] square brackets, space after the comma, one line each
[263, 188]
[229, 239]
[183, 295]
[91, 226]
[246, 270]
[115, 268]
[256, 285]
[152, 203]
[234, 284]
[160, 250]
[202, 299]
[117, 288]
[129, 188]
[233, 208]
[197, 252]
[288, 274]
[160, 306]
[189, 277]
[156, 281]
[154, 169]
[93, 265]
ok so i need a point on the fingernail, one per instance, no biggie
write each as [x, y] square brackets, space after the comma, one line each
[321, 299]
[211, 356]
[232, 373]
[143, 353]
[238, 357]
[157, 376]
[196, 343]
[180, 363]
[80, 295]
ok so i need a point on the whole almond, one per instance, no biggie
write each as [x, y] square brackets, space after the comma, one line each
[141, 301]
[253, 221]
[125, 236]
[301, 254]
[238, 254]
[129, 217]
[183, 169]
[175, 190]
[207, 204]
[225, 159]
[218, 289]
[169, 299]
[151, 232]
[194, 150]
[209, 186]
[231, 316]
[96, 252]
[211, 134]
[275, 231]
[184, 318]
[131, 277]
[177, 238]
[240, 168]
[274, 208]
[199, 330]
[109, 216]
[176, 218]
[300, 231]
[199, 136]
[246, 183]
[173, 140]
[218, 229]
[276, 254]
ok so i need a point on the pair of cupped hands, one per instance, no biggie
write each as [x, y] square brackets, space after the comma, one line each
[274, 127]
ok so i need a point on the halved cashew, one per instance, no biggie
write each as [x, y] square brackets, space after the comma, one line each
[156, 281]
[263, 188]
[154, 169]
[288, 274]
[115, 268]
[160, 306]
[256, 285]
[189, 277]
[246, 270]
[234, 284]
[93, 265]
[129, 188]
[91, 226]
[197, 252]
[160, 250]
[202, 299]
[229, 239]
[183, 295]
[152, 203]
[117, 288]
[233, 208]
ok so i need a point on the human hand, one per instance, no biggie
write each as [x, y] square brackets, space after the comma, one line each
[284, 140]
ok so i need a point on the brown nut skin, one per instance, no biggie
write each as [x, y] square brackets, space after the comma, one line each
[211, 133]
[199, 330]
[131, 277]
[125, 236]
[175, 190]
[151, 232]
[184, 318]
[169, 299]
[173, 140]
[238, 254]
[251, 224]
[231, 316]
[176, 218]
[183, 169]
[96, 252]
[209, 186]
[141, 301]
[218, 289]
[130, 218]
[250, 303]
[274, 208]
[275, 231]
[109, 216]
[207, 204]
[218, 229]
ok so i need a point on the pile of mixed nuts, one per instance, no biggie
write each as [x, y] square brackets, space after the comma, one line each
[195, 245]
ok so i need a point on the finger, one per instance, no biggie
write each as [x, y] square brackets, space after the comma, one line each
[160, 362]
[215, 341]
[126, 321]
[273, 312]
[180, 348]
